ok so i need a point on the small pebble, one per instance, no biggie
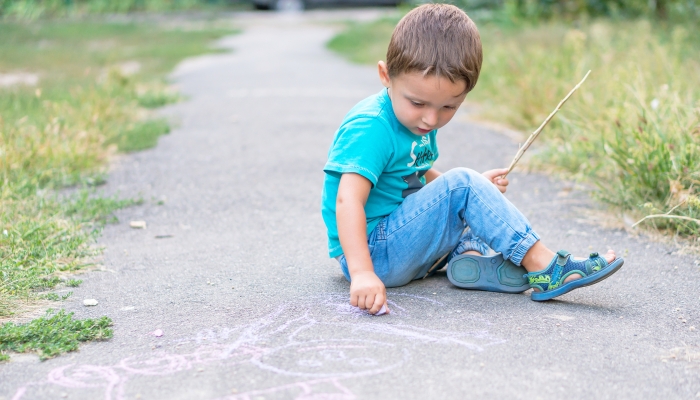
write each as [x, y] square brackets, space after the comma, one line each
[89, 302]
[138, 224]
[692, 329]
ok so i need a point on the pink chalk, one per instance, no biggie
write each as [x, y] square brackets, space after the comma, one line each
[157, 333]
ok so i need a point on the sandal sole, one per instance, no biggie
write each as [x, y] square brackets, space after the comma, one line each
[579, 283]
[489, 273]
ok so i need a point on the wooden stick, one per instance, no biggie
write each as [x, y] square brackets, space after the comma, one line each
[697, 221]
[536, 133]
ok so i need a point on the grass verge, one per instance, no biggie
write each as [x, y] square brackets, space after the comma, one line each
[92, 85]
[633, 130]
[51, 335]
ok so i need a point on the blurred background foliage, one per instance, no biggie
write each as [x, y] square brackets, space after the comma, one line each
[534, 9]
[33, 9]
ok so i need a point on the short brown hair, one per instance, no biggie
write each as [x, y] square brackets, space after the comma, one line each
[436, 39]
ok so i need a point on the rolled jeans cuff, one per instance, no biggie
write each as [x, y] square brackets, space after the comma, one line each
[470, 245]
[516, 257]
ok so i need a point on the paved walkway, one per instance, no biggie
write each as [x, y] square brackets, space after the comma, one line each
[251, 307]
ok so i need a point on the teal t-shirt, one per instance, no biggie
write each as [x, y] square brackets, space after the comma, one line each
[371, 142]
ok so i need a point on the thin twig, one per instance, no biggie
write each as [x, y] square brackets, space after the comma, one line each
[697, 221]
[536, 133]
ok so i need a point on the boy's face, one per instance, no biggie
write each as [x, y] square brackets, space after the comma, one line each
[422, 103]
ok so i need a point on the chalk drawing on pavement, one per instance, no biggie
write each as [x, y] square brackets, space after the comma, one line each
[320, 339]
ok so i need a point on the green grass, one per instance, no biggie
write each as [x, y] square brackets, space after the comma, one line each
[73, 282]
[51, 335]
[45, 237]
[86, 107]
[632, 131]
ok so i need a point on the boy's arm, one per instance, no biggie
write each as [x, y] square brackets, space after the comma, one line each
[431, 174]
[366, 289]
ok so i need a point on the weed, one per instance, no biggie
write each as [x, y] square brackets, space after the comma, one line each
[52, 334]
[55, 296]
[73, 282]
[142, 135]
[46, 235]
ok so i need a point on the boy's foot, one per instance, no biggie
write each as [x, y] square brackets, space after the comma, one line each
[491, 273]
[564, 274]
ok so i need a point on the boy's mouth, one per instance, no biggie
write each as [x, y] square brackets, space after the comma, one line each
[423, 131]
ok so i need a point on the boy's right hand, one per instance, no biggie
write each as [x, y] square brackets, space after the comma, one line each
[367, 291]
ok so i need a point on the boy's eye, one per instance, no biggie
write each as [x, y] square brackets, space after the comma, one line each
[450, 107]
[417, 104]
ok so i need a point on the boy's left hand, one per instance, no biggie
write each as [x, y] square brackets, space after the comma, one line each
[495, 176]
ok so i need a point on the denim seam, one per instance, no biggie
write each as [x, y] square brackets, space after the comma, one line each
[381, 229]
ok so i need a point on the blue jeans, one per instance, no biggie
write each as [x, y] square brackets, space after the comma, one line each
[432, 222]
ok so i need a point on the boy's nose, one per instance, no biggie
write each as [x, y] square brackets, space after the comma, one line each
[430, 118]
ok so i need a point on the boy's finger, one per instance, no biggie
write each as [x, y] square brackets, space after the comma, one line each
[361, 302]
[379, 301]
[353, 300]
[369, 302]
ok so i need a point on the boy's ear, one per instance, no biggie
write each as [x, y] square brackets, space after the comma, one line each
[383, 74]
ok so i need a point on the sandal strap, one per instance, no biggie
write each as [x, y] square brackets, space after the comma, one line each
[561, 267]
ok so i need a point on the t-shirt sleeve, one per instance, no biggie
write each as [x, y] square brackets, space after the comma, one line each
[362, 146]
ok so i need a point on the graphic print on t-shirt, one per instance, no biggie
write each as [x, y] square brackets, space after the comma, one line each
[425, 156]
[422, 159]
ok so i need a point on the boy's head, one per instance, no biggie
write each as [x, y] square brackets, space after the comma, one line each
[433, 61]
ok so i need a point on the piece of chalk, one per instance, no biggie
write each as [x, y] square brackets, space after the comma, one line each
[382, 310]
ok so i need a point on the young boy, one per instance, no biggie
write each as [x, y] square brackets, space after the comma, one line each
[391, 217]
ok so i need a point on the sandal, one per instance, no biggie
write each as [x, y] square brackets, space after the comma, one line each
[550, 281]
[491, 273]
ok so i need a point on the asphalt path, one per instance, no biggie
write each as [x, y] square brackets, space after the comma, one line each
[233, 267]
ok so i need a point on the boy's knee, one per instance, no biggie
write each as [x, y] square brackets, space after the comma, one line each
[462, 177]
